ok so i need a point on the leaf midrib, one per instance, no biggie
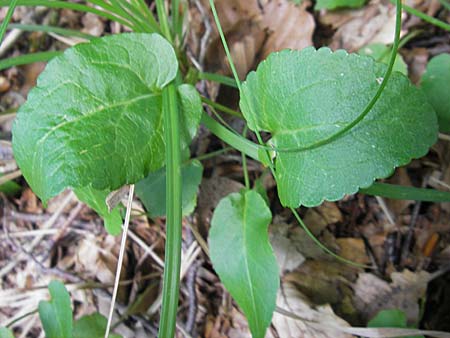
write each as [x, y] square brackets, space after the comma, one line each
[247, 269]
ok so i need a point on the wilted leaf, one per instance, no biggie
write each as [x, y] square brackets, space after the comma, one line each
[304, 97]
[243, 258]
[56, 314]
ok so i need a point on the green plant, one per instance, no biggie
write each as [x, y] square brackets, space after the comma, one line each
[117, 111]
[391, 318]
[57, 318]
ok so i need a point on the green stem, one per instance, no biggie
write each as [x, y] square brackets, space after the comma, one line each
[27, 59]
[7, 19]
[176, 18]
[164, 21]
[222, 79]
[236, 141]
[225, 45]
[406, 193]
[72, 6]
[244, 163]
[220, 107]
[172, 260]
[427, 18]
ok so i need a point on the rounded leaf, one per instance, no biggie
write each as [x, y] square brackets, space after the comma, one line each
[95, 115]
[303, 97]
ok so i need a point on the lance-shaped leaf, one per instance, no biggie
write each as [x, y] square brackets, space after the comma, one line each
[95, 116]
[303, 97]
[243, 258]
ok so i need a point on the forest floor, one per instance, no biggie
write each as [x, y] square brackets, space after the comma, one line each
[407, 242]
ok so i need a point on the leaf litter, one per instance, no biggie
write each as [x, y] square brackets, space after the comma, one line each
[76, 249]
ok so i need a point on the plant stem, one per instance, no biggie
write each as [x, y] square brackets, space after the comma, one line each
[172, 258]
[222, 79]
[427, 18]
[225, 45]
[8, 16]
[236, 141]
[163, 20]
[27, 59]
[244, 163]
[406, 193]
[220, 107]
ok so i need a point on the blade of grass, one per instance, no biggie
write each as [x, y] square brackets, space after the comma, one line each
[27, 59]
[51, 29]
[120, 259]
[72, 6]
[406, 193]
[225, 80]
[7, 19]
[427, 18]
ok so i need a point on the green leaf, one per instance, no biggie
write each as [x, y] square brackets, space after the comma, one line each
[10, 187]
[400, 192]
[6, 333]
[243, 258]
[191, 112]
[96, 199]
[390, 318]
[333, 4]
[381, 53]
[92, 326]
[152, 189]
[56, 314]
[303, 97]
[95, 115]
[436, 85]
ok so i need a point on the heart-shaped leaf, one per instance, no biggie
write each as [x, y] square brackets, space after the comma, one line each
[95, 116]
[56, 314]
[302, 97]
[435, 83]
[243, 258]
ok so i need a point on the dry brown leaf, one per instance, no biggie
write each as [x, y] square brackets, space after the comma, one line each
[357, 28]
[92, 24]
[398, 206]
[292, 300]
[373, 294]
[353, 249]
[286, 252]
[288, 26]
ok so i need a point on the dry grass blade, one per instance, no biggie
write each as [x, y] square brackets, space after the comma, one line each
[120, 260]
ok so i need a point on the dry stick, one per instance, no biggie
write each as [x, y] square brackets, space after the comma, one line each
[120, 260]
[10, 176]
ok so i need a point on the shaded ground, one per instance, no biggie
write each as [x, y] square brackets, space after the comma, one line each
[406, 241]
